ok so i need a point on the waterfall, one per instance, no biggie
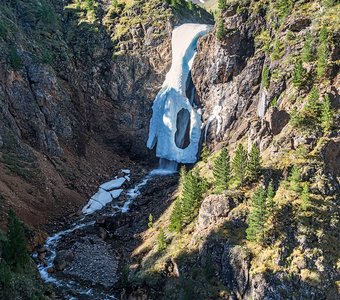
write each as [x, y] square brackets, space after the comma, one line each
[175, 126]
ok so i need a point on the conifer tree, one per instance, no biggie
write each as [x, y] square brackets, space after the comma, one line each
[254, 163]
[307, 50]
[191, 196]
[15, 249]
[322, 52]
[204, 153]
[220, 29]
[161, 240]
[176, 217]
[150, 221]
[326, 115]
[257, 216]
[265, 79]
[299, 74]
[295, 179]
[312, 107]
[221, 171]
[270, 198]
[240, 162]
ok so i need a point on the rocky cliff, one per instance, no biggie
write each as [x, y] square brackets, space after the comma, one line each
[76, 91]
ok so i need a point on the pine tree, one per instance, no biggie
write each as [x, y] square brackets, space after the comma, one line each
[307, 51]
[221, 171]
[322, 53]
[176, 217]
[191, 196]
[204, 153]
[305, 196]
[240, 162]
[257, 216]
[265, 80]
[161, 241]
[15, 249]
[220, 29]
[326, 115]
[295, 179]
[299, 74]
[150, 221]
[312, 107]
[270, 198]
[254, 163]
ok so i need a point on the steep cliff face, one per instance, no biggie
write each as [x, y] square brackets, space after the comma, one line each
[76, 91]
[267, 75]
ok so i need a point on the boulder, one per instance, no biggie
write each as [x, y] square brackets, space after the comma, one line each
[215, 208]
[63, 259]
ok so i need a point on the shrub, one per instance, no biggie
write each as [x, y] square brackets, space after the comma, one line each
[14, 59]
[265, 77]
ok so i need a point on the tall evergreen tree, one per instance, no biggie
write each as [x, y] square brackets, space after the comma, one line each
[221, 171]
[254, 165]
[322, 52]
[326, 115]
[239, 164]
[295, 179]
[307, 50]
[257, 216]
[299, 74]
[204, 153]
[312, 108]
[161, 240]
[220, 29]
[15, 249]
[191, 196]
[176, 216]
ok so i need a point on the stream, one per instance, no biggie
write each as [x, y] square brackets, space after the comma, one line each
[72, 289]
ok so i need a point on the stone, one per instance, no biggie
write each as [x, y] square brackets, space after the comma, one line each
[63, 259]
[215, 208]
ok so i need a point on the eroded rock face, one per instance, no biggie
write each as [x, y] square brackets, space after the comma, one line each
[215, 209]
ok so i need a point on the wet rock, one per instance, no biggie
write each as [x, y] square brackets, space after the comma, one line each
[63, 259]
[94, 261]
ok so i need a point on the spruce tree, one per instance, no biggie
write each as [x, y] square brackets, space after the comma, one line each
[254, 163]
[204, 153]
[295, 179]
[326, 115]
[191, 196]
[307, 50]
[176, 217]
[240, 162]
[15, 249]
[220, 29]
[221, 171]
[322, 53]
[257, 216]
[312, 107]
[265, 79]
[299, 74]
[161, 240]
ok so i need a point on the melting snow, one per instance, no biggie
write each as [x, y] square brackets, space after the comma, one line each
[172, 98]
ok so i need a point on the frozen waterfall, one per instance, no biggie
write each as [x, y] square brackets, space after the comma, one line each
[175, 126]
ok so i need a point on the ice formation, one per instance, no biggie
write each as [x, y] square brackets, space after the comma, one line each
[106, 193]
[172, 99]
[214, 116]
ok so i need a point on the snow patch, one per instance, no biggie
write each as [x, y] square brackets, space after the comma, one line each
[113, 184]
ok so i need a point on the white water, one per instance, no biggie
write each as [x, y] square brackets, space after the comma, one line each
[214, 116]
[171, 99]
